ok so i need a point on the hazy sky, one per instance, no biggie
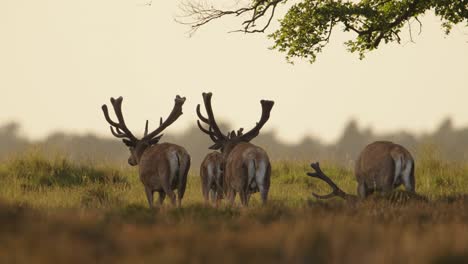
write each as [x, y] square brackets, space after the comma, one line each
[60, 60]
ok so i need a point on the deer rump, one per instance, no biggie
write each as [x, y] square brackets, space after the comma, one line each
[383, 166]
[211, 175]
[164, 166]
[248, 170]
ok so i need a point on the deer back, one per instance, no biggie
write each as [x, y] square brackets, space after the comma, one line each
[381, 165]
[163, 162]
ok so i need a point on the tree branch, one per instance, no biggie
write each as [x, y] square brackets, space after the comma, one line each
[307, 26]
[199, 14]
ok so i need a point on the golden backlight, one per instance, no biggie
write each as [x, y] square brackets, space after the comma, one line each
[61, 60]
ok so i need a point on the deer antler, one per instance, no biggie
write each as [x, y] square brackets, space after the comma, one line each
[146, 129]
[208, 131]
[121, 130]
[266, 109]
[173, 116]
[336, 191]
[233, 134]
[213, 131]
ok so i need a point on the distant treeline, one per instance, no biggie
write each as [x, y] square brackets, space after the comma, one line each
[450, 143]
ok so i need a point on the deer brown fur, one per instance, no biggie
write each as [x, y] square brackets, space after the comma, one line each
[211, 174]
[247, 167]
[381, 167]
[247, 171]
[163, 168]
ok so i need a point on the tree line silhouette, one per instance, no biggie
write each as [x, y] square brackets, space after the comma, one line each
[451, 143]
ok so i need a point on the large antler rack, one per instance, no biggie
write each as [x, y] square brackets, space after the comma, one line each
[336, 191]
[121, 130]
[163, 124]
[213, 129]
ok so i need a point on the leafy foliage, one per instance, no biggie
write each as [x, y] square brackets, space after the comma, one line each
[308, 24]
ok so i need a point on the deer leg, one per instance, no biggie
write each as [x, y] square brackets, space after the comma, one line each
[167, 188]
[249, 194]
[244, 199]
[180, 195]
[169, 192]
[179, 200]
[149, 196]
[205, 184]
[263, 193]
[219, 196]
[162, 196]
[231, 197]
[172, 196]
[183, 182]
[205, 192]
[262, 178]
[213, 196]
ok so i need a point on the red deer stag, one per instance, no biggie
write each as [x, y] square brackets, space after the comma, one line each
[247, 167]
[381, 167]
[162, 167]
[211, 174]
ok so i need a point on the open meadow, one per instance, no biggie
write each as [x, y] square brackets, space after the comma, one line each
[57, 211]
[110, 107]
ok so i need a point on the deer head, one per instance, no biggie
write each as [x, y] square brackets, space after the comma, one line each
[138, 146]
[226, 143]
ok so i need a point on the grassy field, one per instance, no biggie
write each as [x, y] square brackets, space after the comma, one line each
[56, 211]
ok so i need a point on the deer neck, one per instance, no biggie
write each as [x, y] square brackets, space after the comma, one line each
[140, 151]
[231, 146]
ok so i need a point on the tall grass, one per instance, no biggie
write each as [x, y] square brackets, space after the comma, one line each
[57, 211]
[35, 169]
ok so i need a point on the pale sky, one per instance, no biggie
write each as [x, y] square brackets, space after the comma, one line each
[60, 60]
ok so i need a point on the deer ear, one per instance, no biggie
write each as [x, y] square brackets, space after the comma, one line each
[128, 143]
[216, 146]
[155, 140]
